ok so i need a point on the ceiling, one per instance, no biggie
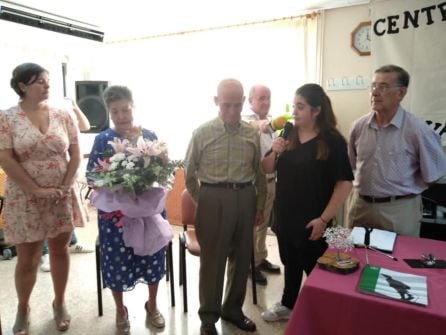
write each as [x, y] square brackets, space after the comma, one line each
[137, 18]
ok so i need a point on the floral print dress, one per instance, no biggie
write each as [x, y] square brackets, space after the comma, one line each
[121, 268]
[44, 156]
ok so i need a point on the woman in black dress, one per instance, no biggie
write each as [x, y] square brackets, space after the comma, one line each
[313, 180]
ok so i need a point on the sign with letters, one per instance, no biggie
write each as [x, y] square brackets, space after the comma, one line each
[411, 34]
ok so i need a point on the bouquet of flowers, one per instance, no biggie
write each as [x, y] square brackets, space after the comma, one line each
[126, 180]
[133, 168]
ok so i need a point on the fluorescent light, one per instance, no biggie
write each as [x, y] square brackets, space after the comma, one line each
[39, 21]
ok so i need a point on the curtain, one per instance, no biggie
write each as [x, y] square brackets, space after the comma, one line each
[174, 77]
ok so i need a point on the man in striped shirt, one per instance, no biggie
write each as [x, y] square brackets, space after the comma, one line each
[222, 173]
[395, 156]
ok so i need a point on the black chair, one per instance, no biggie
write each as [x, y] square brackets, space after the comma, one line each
[188, 241]
[99, 283]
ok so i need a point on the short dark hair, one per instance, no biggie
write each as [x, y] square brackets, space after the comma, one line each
[116, 93]
[26, 73]
[403, 76]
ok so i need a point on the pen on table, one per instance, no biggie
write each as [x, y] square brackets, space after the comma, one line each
[383, 253]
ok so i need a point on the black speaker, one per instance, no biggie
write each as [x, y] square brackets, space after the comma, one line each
[89, 99]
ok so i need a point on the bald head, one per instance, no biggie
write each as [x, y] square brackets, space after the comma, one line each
[260, 100]
[230, 100]
[229, 84]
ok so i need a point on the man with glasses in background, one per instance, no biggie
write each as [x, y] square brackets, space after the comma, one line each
[395, 156]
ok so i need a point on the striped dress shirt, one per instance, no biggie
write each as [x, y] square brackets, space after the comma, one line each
[399, 159]
[219, 152]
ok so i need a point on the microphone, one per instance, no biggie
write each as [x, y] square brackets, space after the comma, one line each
[278, 123]
[287, 129]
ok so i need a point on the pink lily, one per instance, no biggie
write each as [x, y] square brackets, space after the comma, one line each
[118, 145]
[102, 164]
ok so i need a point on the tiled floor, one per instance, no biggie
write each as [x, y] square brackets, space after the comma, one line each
[82, 304]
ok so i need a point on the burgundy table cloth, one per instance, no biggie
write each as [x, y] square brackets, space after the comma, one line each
[330, 304]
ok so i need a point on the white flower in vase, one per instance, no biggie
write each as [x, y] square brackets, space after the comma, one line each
[339, 238]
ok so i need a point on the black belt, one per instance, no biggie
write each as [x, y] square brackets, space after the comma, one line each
[233, 186]
[384, 199]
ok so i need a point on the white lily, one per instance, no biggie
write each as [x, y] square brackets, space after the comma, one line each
[119, 145]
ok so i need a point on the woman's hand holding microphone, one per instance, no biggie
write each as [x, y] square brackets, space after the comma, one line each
[279, 145]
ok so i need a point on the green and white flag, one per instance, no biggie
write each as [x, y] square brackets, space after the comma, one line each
[400, 286]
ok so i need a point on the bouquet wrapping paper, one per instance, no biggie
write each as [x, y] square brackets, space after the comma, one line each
[144, 229]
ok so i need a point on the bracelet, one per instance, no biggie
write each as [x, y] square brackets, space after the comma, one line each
[326, 222]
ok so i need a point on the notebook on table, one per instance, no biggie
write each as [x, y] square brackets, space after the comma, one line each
[379, 239]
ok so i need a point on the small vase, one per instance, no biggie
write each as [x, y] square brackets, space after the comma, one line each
[338, 256]
[342, 259]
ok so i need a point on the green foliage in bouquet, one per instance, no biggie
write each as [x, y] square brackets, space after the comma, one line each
[133, 168]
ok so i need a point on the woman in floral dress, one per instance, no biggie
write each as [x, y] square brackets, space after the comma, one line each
[39, 152]
[121, 268]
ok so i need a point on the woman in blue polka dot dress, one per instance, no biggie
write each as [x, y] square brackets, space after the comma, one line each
[121, 268]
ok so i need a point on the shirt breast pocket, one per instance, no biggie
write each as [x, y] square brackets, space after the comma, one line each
[365, 153]
[401, 164]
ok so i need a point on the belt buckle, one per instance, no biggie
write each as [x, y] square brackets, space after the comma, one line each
[234, 186]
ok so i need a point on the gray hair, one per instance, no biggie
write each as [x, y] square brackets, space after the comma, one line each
[116, 93]
[403, 76]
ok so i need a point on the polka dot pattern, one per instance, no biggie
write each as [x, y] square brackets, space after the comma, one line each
[121, 268]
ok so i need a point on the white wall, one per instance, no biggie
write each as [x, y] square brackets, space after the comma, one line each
[20, 43]
[340, 60]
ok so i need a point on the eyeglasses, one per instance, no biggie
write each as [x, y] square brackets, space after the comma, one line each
[383, 88]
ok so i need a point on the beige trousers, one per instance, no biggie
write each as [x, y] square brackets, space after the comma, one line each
[402, 216]
[260, 250]
[224, 225]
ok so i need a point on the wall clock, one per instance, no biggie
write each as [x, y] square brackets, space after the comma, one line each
[360, 38]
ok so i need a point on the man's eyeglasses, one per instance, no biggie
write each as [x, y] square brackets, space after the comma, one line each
[383, 88]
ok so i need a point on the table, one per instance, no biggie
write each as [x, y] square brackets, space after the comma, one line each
[330, 304]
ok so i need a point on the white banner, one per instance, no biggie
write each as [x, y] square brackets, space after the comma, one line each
[412, 34]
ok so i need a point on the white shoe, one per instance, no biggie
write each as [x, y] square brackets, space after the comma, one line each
[156, 319]
[80, 249]
[276, 313]
[45, 263]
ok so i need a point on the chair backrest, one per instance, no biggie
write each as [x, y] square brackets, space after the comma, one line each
[173, 201]
[187, 209]
[2, 191]
[2, 182]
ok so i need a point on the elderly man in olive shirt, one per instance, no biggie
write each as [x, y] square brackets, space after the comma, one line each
[223, 176]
